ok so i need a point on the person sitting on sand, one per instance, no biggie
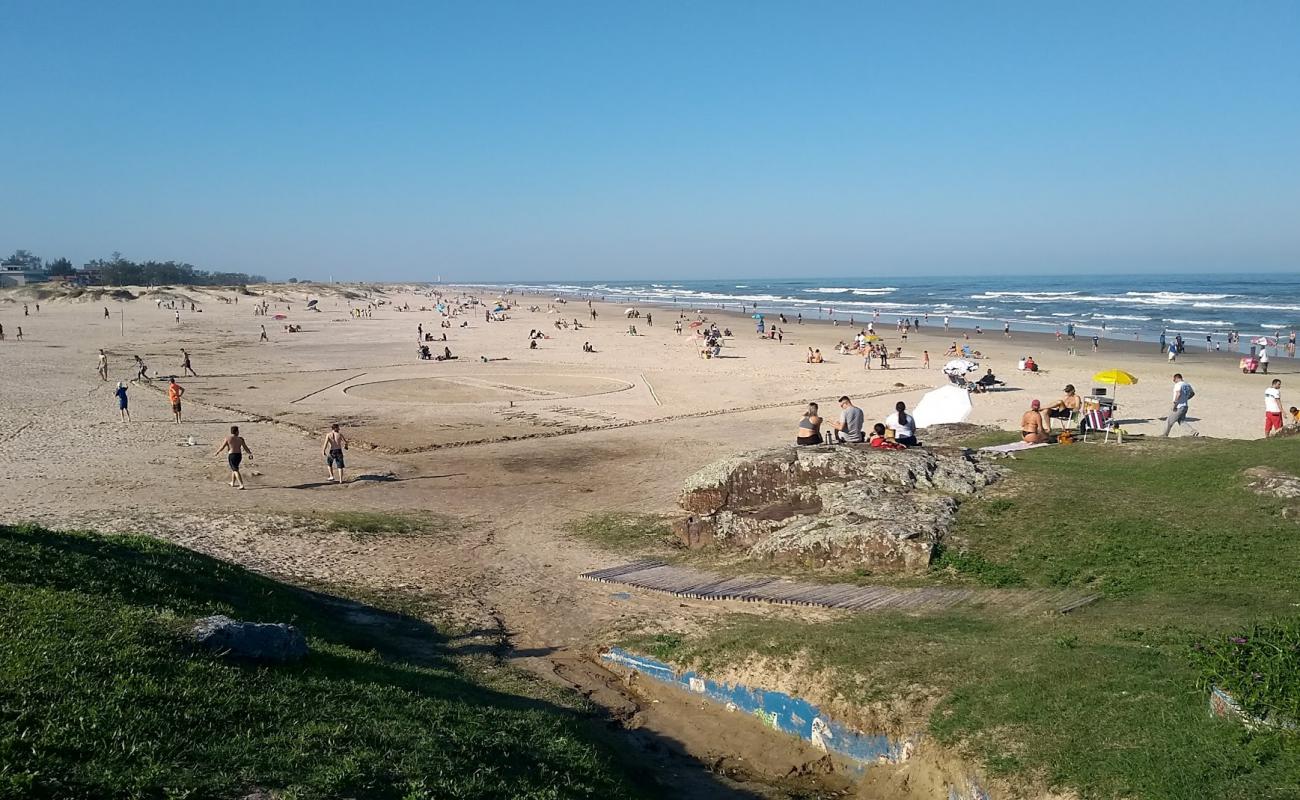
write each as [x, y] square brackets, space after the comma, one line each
[1030, 364]
[817, 357]
[1063, 408]
[809, 358]
[879, 442]
[1032, 429]
[810, 427]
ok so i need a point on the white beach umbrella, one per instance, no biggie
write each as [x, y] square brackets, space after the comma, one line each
[943, 405]
[959, 366]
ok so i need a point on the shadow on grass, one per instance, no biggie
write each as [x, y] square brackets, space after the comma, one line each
[383, 701]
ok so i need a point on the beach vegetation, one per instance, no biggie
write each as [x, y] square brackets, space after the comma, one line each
[1197, 581]
[625, 532]
[102, 695]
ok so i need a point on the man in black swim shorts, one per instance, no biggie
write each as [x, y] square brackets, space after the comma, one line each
[235, 444]
[333, 447]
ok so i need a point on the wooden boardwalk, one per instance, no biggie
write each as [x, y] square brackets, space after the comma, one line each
[702, 585]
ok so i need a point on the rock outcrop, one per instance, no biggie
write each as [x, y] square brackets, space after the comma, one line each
[1272, 482]
[842, 506]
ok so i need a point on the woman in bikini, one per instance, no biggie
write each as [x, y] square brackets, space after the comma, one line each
[1032, 430]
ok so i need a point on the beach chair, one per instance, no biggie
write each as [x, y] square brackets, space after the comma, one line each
[1102, 419]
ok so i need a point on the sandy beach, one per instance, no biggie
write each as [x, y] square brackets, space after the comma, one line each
[510, 449]
[648, 400]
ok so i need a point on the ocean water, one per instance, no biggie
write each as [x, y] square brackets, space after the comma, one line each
[1113, 306]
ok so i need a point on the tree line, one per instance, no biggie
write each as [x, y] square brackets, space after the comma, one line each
[117, 270]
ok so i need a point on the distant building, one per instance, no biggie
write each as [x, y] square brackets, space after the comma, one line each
[87, 277]
[18, 275]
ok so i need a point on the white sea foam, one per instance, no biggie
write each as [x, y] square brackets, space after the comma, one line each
[883, 290]
[1218, 323]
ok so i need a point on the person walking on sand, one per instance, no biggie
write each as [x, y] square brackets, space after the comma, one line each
[185, 363]
[1183, 394]
[103, 365]
[333, 447]
[1273, 407]
[234, 446]
[178, 317]
[925, 359]
[1263, 355]
[105, 312]
[122, 410]
[142, 369]
[174, 394]
[263, 339]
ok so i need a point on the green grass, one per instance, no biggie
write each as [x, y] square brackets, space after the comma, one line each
[102, 697]
[1110, 701]
[644, 534]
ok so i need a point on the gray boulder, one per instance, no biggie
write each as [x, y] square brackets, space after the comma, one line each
[276, 643]
[842, 506]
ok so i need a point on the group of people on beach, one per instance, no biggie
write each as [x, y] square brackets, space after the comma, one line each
[896, 432]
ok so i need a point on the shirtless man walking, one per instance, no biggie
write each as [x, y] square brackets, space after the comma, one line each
[103, 365]
[333, 447]
[185, 363]
[235, 444]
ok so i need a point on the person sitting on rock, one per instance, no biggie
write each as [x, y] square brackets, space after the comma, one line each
[809, 431]
[879, 441]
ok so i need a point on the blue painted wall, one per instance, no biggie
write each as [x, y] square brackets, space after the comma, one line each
[788, 714]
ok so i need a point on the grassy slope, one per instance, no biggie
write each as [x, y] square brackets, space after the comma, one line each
[100, 697]
[1104, 701]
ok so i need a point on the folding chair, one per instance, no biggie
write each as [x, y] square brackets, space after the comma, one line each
[1102, 419]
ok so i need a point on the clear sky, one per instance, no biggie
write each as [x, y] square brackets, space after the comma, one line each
[668, 139]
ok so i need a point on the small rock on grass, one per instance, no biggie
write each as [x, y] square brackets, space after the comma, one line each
[276, 643]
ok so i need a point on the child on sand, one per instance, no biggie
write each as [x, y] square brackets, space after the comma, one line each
[235, 444]
[120, 394]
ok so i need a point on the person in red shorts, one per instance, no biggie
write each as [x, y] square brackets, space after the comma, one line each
[1273, 407]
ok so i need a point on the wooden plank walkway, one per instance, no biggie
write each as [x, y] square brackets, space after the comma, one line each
[703, 585]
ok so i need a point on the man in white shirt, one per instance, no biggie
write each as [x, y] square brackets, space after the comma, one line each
[1273, 407]
[1183, 393]
[903, 425]
[1263, 359]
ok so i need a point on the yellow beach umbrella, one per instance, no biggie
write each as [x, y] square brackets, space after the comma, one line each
[1115, 377]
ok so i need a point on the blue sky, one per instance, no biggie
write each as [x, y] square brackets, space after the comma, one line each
[604, 140]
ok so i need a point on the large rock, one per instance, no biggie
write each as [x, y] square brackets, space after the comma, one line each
[843, 506]
[252, 641]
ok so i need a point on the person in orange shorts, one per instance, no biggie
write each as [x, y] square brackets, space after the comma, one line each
[174, 394]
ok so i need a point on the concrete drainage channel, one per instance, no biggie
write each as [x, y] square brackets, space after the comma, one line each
[818, 756]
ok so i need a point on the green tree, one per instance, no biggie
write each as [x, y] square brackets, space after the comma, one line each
[60, 266]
